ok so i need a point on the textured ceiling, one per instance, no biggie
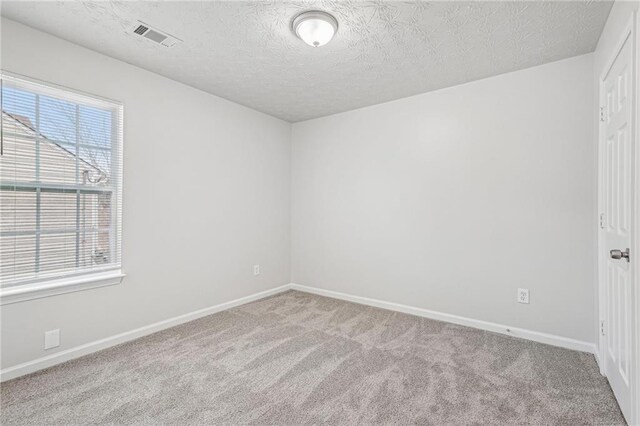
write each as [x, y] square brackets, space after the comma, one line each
[384, 50]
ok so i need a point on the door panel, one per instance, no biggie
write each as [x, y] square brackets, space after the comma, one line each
[617, 196]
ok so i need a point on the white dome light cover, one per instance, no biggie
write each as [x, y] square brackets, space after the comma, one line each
[314, 27]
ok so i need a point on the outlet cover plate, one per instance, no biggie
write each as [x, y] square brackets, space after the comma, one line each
[523, 295]
[52, 339]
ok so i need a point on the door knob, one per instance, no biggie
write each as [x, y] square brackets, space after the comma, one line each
[619, 254]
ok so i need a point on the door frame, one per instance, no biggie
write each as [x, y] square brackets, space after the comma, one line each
[630, 32]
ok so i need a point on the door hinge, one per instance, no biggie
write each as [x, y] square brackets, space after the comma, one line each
[602, 332]
[601, 220]
[601, 113]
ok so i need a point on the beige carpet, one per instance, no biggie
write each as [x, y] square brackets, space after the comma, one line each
[297, 359]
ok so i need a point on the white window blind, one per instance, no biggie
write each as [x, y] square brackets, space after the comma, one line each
[60, 183]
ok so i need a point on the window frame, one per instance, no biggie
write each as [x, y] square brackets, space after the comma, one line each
[49, 284]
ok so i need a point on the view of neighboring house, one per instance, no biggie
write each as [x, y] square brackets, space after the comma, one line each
[55, 204]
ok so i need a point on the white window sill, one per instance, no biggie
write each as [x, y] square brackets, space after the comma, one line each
[59, 286]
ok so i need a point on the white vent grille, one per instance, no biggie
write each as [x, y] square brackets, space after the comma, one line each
[154, 34]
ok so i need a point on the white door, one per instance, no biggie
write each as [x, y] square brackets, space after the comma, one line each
[617, 153]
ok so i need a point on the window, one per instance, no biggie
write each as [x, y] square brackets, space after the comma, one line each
[60, 184]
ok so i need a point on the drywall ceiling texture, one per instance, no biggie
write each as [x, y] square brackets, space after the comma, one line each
[384, 50]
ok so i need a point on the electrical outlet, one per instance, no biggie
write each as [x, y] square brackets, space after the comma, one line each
[256, 269]
[523, 295]
[52, 339]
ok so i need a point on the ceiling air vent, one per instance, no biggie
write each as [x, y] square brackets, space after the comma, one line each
[154, 34]
[141, 29]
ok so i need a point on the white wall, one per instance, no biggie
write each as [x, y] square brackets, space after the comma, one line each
[453, 199]
[448, 201]
[206, 196]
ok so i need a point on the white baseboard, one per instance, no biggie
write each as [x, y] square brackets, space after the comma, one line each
[78, 351]
[596, 354]
[549, 339]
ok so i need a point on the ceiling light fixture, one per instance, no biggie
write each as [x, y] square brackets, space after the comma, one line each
[314, 27]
